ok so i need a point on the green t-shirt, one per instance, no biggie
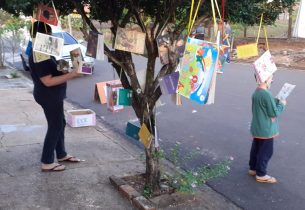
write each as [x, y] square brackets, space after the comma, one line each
[265, 110]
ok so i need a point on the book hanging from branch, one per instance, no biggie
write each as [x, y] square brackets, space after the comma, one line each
[47, 14]
[95, 47]
[130, 41]
[48, 45]
[247, 50]
[198, 65]
[163, 42]
[169, 83]
[145, 136]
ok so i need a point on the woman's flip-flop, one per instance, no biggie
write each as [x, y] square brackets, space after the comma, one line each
[56, 168]
[266, 179]
[70, 159]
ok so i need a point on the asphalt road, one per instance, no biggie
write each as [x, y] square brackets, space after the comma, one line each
[222, 131]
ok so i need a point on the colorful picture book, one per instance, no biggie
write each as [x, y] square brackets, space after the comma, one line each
[163, 42]
[169, 83]
[247, 50]
[285, 91]
[198, 65]
[95, 47]
[49, 45]
[130, 40]
[47, 14]
[264, 66]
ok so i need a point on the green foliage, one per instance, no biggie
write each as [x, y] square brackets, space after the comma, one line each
[14, 74]
[158, 154]
[188, 181]
[246, 11]
[147, 191]
[76, 23]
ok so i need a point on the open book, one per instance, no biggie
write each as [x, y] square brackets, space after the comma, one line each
[285, 91]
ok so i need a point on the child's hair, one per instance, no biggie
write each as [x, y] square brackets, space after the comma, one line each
[40, 27]
[256, 79]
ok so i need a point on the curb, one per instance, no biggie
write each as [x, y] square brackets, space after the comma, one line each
[135, 198]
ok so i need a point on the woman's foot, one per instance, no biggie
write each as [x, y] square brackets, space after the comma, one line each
[53, 167]
[266, 179]
[70, 159]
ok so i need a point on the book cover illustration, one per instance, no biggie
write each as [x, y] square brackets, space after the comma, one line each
[130, 40]
[47, 14]
[163, 42]
[169, 83]
[76, 59]
[49, 45]
[264, 66]
[285, 91]
[198, 65]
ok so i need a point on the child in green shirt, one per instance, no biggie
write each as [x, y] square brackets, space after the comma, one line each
[264, 128]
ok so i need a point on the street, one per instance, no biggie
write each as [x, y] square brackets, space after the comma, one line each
[221, 131]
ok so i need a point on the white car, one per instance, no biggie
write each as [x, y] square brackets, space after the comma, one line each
[70, 43]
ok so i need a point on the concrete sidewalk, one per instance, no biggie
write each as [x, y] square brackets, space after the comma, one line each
[81, 186]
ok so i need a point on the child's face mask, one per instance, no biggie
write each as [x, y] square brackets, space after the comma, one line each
[269, 82]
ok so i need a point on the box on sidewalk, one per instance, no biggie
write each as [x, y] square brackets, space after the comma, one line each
[113, 96]
[100, 91]
[81, 117]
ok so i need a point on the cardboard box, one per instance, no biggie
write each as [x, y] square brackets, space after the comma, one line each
[81, 117]
[100, 91]
[113, 96]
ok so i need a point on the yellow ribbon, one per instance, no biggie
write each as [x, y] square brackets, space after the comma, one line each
[190, 19]
[265, 31]
[259, 29]
[214, 17]
[266, 36]
[194, 18]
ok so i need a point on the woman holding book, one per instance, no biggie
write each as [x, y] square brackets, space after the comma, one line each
[264, 128]
[49, 92]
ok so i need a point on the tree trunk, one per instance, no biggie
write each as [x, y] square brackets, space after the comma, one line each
[289, 34]
[245, 32]
[153, 173]
[1, 53]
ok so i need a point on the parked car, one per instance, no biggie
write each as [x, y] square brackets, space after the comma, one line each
[70, 43]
